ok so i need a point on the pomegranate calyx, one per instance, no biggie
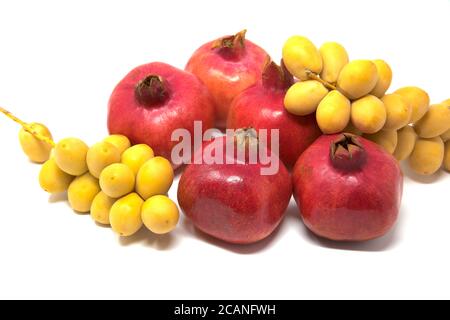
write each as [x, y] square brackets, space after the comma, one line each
[231, 45]
[276, 76]
[151, 90]
[246, 143]
[246, 136]
[347, 153]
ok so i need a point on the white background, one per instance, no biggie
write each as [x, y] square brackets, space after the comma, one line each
[59, 61]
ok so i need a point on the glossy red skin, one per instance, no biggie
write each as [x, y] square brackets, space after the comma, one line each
[189, 100]
[347, 206]
[234, 203]
[226, 77]
[260, 107]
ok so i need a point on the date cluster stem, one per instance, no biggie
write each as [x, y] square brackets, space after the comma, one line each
[27, 127]
[311, 75]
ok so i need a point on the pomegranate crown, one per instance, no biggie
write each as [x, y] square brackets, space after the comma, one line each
[151, 90]
[347, 152]
[276, 76]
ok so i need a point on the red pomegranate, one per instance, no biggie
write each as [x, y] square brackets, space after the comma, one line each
[347, 188]
[234, 202]
[155, 99]
[227, 66]
[261, 107]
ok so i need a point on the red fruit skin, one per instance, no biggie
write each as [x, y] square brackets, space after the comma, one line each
[188, 101]
[347, 206]
[260, 107]
[227, 76]
[234, 203]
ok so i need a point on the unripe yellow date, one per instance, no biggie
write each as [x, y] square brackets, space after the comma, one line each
[447, 156]
[119, 141]
[70, 156]
[154, 178]
[398, 111]
[368, 114]
[303, 98]
[435, 122]
[357, 79]
[406, 141]
[100, 156]
[117, 180]
[300, 55]
[427, 156]
[52, 179]
[334, 58]
[101, 207]
[160, 214]
[333, 113]
[37, 151]
[387, 139]
[135, 156]
[384, 78]
[125, 215]
[82, 191]
[418, 99]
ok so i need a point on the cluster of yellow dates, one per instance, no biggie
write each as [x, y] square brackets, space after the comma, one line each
[351, 96]
[120, 185]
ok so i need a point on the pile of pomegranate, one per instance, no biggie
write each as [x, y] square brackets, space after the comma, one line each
[346, 187]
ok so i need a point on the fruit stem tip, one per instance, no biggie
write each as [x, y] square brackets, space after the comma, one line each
[27, 127]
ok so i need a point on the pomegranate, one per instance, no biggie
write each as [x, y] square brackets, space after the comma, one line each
[153, 100]
[261, 107]
[227, 66]
[234, 202]
[348, 188]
